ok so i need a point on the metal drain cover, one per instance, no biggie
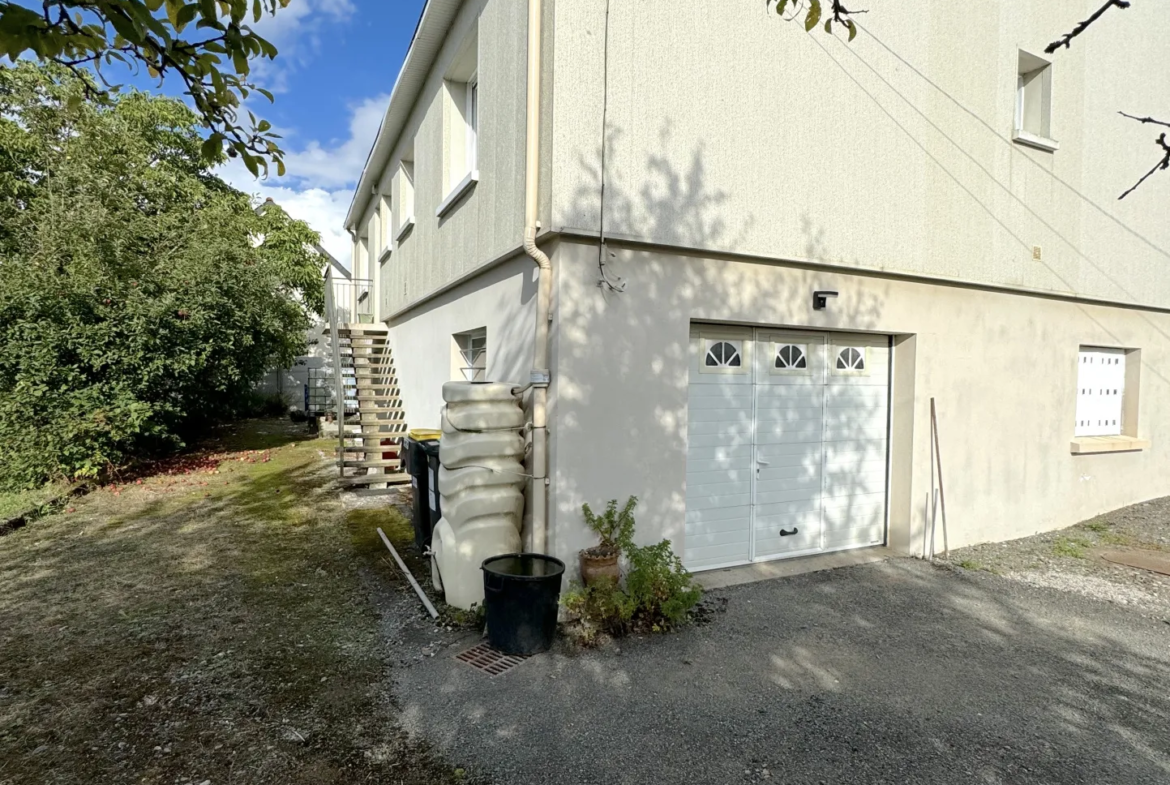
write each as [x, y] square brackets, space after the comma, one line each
[484, 658]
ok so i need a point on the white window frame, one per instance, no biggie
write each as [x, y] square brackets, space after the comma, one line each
[1034, 86]
[470, 355]
[472, 117]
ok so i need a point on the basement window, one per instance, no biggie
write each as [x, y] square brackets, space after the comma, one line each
[470, 355]
[1107, 400]
[1100, 392]
[1033, 126]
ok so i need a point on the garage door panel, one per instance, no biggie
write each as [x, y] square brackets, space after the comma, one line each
[737, 417]
[696, 479]
[846, 484]
[781, 509]
[729, 530]
[797, 492]
[859, 537]
[718, 556]
[786, 474]
[803, 432]
[726, 488]
[708, 441]
[772, 397]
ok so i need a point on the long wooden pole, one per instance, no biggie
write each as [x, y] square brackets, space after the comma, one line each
[417, 589]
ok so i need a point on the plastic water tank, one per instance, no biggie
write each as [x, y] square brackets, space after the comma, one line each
[481, 485]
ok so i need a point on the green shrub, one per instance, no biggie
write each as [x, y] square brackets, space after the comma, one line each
[658, 594]
[662, 590]
[141, 298]
[614, 529]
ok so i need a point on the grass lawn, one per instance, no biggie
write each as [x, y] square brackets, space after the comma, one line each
[213, 623]
[15, 503]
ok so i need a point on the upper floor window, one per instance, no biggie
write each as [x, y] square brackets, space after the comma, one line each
[403, 195]
[460, 125]
[1033, 124]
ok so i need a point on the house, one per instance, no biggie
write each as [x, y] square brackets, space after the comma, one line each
[739, 262]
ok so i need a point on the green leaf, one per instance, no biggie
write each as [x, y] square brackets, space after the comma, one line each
[814, 15]
[852, 29]
[780, 6]
[828, 25]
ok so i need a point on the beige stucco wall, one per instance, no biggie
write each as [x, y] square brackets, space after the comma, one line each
[489, 221]
[502, 299]
[1001, 366]
[729, 129]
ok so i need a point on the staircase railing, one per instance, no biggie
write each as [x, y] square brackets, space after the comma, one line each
[332, 314]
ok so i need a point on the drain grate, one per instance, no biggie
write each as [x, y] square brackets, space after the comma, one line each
[484, 658]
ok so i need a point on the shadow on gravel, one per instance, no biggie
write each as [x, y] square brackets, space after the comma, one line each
[899, 672]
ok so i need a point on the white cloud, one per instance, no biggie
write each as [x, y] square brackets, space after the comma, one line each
[318, 186]
[295, 31]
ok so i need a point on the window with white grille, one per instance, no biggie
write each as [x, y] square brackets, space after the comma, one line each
[471, 355]
[1100, 391]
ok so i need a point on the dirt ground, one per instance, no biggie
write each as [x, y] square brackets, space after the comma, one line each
[1074, 559]
[217, 622]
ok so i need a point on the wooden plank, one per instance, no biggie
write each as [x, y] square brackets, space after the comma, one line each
[372, 479]
[377, 463]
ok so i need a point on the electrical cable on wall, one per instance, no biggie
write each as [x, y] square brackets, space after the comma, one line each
[604, 282]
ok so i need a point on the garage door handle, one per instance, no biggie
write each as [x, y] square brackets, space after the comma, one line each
[763, 463]
[785, 532]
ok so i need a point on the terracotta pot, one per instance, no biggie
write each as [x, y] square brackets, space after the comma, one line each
[598, 565]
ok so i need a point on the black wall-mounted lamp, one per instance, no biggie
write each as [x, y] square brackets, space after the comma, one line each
[821, 299]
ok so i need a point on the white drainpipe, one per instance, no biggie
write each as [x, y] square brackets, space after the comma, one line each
[540, 363]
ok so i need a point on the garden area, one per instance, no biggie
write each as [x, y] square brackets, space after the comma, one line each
[218, 619]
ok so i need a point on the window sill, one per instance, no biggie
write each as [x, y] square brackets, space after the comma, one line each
[404, 228]
[1086, 445]
[458, 192]
[1032, 140]
[385, 255]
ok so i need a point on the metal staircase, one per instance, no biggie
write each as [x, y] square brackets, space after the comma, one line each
[370, 458]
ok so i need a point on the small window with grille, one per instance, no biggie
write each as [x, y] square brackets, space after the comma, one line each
[471, 355]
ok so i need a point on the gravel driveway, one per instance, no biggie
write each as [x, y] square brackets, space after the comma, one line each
[1076, 559]
[900, 672]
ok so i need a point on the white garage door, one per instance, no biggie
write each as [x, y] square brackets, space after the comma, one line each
[786, 444]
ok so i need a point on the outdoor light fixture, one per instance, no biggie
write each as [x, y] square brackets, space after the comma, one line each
[821, 299]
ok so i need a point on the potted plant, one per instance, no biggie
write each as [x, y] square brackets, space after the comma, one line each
[615, 530]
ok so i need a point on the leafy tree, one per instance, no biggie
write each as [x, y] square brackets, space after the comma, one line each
[140, 296]
[834, 12]
[207, 44]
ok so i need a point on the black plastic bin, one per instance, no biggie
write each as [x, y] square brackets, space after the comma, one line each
[418, 467]
[521, 593]
[434, 508]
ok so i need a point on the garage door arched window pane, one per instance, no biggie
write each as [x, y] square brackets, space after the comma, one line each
[790, 356]
[723, 354]
[850, 359]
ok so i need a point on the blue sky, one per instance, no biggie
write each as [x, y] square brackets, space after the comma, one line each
[332, 80]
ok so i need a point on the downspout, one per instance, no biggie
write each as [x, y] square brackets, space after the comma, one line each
[540, 363]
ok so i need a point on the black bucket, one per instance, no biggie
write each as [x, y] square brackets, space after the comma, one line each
[521, 592]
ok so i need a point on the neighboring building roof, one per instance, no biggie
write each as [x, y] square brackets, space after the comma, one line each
[429, 34]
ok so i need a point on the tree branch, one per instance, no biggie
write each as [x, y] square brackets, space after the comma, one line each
[1160, 166]
[1066, 39]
